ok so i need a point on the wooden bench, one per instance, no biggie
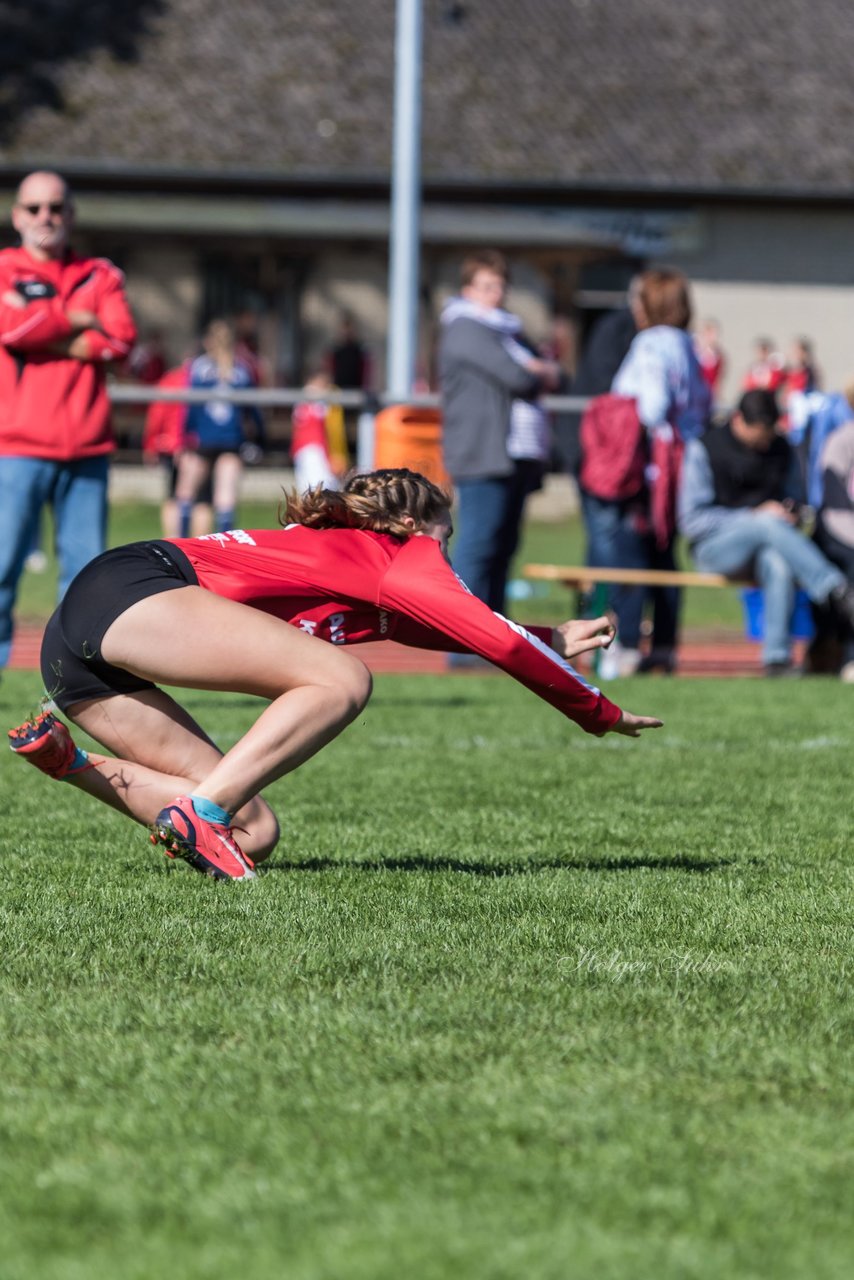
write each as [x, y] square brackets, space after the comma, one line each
[583, 577]
[592, 583]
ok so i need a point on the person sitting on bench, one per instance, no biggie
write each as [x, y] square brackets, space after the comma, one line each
[739, 506]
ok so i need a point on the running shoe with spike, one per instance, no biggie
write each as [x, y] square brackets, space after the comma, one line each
[46, 743]
[208, 847]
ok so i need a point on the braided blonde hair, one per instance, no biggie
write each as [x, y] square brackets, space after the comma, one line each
[377, 500]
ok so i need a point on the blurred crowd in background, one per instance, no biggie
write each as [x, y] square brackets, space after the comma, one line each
[761, 490]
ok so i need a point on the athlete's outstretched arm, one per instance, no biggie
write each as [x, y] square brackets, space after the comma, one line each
[422, 589]
[583, 635]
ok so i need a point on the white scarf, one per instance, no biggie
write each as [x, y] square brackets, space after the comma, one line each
[503, 322]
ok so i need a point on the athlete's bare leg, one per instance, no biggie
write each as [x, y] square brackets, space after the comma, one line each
[195, 639]
[158, 752]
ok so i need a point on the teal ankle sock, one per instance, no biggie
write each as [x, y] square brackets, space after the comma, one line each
[81, 759]
[211, 812]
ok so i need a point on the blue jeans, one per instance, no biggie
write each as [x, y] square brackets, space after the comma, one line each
[77, 492]
[489, 515]
[780, 558]
[615, 540]
[602, 525]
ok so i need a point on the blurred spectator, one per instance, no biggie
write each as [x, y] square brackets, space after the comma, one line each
[662, 375]
[348, 362]
[63, 319]
[601, 356]
[214, 434]
[247, 348]
[801, 371]
[710, 355]
[767, 371]
[318, 440]
[529, 440]
[561, 344]
[739, 508]
[812, 417]
[832, 649]
[162, 442]
[482, 370]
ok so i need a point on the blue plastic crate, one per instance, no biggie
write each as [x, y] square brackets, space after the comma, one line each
[800, 624]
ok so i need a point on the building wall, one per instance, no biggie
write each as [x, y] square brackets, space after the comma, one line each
[165, 291]
[352, 282]
[777, 273]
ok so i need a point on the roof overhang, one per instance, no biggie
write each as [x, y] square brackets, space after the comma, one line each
[633, 231]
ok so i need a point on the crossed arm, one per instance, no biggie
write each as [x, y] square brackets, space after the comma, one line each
[78, 333]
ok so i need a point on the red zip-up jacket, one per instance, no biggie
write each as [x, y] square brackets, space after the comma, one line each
[348, 586]
[54, 406]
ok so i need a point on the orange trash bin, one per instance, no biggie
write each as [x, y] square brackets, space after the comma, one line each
[406, 435]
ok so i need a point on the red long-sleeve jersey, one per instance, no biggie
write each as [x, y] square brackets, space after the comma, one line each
[54, 406]
[348, 586]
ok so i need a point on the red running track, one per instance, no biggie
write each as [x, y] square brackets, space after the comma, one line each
[720, 654]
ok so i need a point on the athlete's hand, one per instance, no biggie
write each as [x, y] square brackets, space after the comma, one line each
[581, 635]
[11, 298]
[630, 726]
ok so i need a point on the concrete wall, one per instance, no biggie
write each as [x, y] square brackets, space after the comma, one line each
[354, 282]
[777, 273]
[165, 290]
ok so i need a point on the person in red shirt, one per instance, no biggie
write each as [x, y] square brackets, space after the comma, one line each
[710, 355]
[162, 442]
[768, 371]
[63, 320]
[802, 373]
[246, 611]
[318, 439]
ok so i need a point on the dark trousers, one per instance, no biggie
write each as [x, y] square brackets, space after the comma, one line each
[488, 521]
[618, 538]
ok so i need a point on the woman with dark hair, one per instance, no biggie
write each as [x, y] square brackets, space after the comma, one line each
[246, 611]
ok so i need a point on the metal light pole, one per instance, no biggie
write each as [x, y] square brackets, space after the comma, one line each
[405, 200]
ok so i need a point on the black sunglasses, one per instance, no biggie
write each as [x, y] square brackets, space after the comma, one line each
[55, 207]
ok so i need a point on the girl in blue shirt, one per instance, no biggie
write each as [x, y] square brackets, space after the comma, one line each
[215, 428]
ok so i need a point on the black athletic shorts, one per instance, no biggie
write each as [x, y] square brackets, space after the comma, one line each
[71, 662]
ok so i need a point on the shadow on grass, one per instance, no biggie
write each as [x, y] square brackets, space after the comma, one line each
[497, 869]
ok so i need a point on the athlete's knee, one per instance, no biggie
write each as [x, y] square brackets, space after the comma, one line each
[355, 688]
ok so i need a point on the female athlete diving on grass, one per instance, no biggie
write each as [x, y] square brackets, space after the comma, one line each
[247, 612]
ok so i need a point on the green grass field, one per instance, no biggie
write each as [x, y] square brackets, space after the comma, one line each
[509, 1002]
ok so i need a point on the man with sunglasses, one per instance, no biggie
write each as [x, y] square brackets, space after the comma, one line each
[63, 320]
